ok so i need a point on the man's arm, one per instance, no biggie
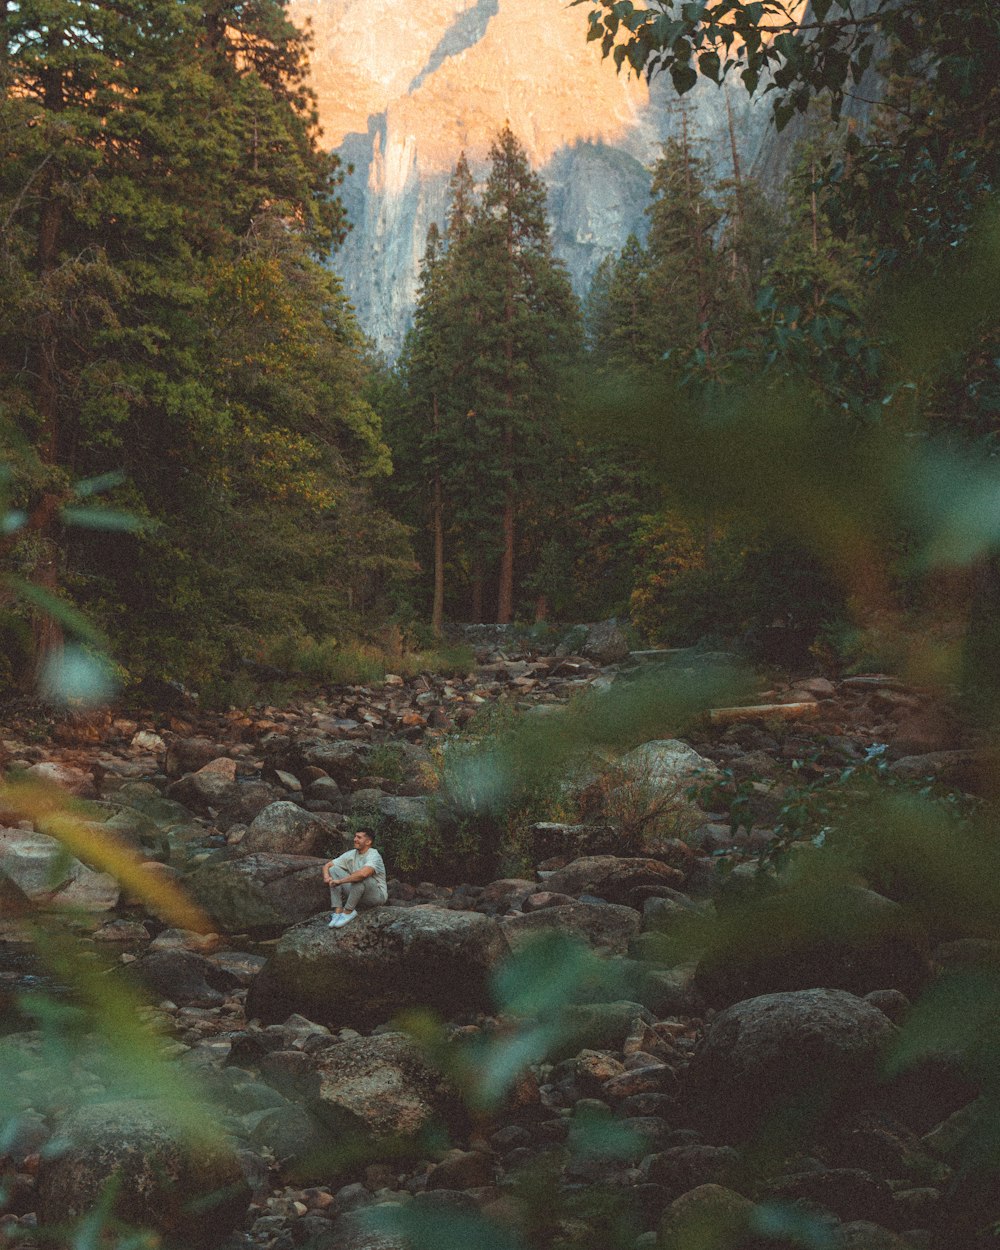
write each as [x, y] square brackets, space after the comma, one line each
[359, 875]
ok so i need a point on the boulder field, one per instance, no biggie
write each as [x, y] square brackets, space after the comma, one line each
[625, 1044]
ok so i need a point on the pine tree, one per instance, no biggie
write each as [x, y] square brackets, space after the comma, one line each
[163, 208]
[682, 260]
[525, 317]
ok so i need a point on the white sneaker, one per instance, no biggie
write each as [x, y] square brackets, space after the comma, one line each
[336, 921]
[347, 917]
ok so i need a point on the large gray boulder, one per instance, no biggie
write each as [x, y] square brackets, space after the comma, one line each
[380, 1089]
[667, 765]
[604, 926]
[388, 959]
[606, 642]
[627, 881]
[284, 828]
[192, 1192]
[801, 1054]
[39, 866]
[260, 893]
[845, 937]
[183, 977]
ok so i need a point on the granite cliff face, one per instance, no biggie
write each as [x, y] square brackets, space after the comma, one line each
[404, 89]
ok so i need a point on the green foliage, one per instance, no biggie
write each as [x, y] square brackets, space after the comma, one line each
[476, 433]
[166, 315]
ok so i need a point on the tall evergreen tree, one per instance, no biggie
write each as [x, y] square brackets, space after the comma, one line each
[682, 259]
[163, 206]
[525, 318]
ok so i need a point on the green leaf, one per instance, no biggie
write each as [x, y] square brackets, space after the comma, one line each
[710, 65]
[684, 78]
[105, 519]
[95, 485]
[60, 610]
[76, 675]
[793, 1225]
[596, 1135]
[439, 1230]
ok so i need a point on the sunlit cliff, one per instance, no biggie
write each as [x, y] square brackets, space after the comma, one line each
[404, 88]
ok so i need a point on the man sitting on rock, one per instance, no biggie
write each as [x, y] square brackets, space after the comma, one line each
[356, 879]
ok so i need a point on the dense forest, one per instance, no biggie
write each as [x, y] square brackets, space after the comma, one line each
[686, 928]
[203, 456]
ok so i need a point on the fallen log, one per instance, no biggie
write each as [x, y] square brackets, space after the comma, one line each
[764, 711]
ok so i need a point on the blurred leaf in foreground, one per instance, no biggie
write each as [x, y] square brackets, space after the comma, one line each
[47, 807]
[78, 676]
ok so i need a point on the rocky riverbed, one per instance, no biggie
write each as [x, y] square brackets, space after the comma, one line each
[716, 1075]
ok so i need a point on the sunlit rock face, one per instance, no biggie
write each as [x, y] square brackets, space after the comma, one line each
[404, 88]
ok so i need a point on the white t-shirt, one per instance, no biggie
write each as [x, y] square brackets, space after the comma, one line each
[353, 860]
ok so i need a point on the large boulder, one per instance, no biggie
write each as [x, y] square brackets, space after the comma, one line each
[260, 893]
[597, 1026]
[284, 828]
[187, 755]
[845, 937]
[386, 960]
[192, 1192]
[128, 824]
[39, 866]
[380, 1089]
[74, 780]
[344, 761]
[795, 1054]
[186, 978]
[547, 839]
[606, 642]
[617, 879]
[667, 765]
[604, 926]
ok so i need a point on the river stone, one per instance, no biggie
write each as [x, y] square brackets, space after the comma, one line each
[709, 1215]
[597, 1026]
[130, 825]
[805, 1051]
[667, 765]
[144, 797]
[39, 866]
[187, 755]
[260, 893]
[546, 839]
[604, 926]
[606, 642]
[847, 938]
[343, 761]
[386, 960]
[183, 977]
[617, 879]
[846, 1192]
[201, 790]
[284, 828]
[381, 1090]
[244, 801]
[74, 780]
[192, 1193]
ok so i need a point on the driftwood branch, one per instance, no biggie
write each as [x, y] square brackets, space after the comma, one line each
[764, 711]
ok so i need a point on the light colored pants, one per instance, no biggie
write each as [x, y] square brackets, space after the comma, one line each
[366, 893]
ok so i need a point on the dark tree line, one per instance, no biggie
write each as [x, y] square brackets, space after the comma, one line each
[164, 211]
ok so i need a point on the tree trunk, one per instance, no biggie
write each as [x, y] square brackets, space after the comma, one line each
[505, 602]
[704, 335]
[541, 609]
[477, 591]
[47, 634]
[437, 610]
